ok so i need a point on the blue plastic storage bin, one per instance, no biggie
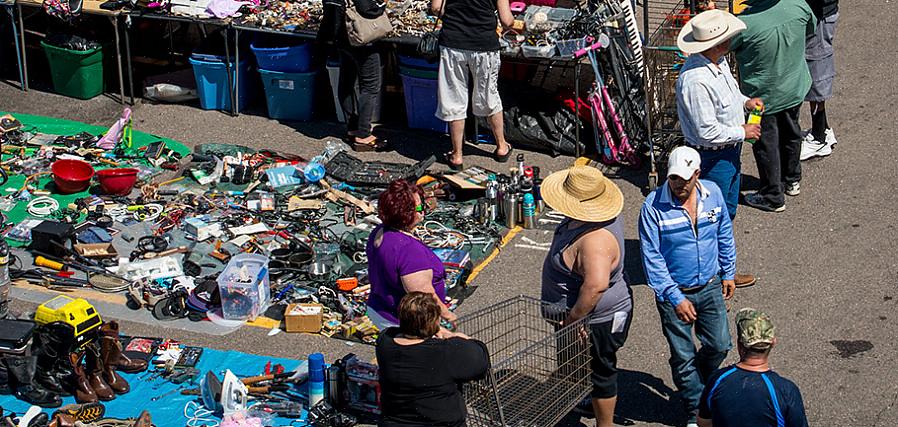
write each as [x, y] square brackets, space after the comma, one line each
[287, 59]
[212, 83]
[290, 96]
[421, 104]
[419, 63]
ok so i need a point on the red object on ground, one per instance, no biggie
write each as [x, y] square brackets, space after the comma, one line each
[71, 176]
[117, 181]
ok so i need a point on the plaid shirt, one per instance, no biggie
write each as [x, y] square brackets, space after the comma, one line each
[709, 104]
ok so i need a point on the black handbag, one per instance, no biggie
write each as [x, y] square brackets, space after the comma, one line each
[429, 45]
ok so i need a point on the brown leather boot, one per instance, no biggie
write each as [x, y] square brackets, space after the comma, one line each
[109, 353]
[84, 393]
[110, 331]
[62, 420]
[94, 367]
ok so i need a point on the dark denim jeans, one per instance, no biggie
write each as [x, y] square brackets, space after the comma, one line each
[723, 167]
[359, 67]
[689, 367]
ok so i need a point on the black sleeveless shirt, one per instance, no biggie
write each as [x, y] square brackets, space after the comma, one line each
[470, 25]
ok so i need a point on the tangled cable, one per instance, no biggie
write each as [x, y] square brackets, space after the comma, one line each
[201, 416]
[42, 206]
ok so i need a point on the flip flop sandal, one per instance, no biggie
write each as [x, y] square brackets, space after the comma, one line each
[504, 158]
[374, 145]
[454, 166]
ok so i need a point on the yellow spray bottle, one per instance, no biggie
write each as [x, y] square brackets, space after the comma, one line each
[754, 118]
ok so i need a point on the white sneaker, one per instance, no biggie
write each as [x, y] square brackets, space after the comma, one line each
[793, 189]
[811, 148]
[692, 425]
[831, 137]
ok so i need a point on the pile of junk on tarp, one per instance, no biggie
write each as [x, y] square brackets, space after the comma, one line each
[221, 234]
[67, 367]
[231, 235]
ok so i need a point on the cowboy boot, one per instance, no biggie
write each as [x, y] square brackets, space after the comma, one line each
[54, 370]
[84, 393]
[110, 332]
[94, 368]
[21, 377]
[109, 353]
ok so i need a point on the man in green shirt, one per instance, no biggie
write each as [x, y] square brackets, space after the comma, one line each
[771, 57]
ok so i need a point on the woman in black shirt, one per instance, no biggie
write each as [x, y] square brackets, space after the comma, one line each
[421, 374]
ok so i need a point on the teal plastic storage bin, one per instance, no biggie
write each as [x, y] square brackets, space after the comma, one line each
[290, 96]
[421, 104]
[212, 83]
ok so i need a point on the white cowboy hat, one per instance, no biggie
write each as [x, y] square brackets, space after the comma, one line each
[582, 193]
[708, 29]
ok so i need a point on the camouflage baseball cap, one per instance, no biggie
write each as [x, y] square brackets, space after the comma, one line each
[755, 328]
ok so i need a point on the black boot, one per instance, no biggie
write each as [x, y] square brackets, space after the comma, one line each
[21, 375]
[54, 371]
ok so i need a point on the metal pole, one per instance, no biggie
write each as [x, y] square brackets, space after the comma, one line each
[230, 77]
[577, 106]
[236, 71]
[10, 9]
[128, 58]
[118, 57]
[24, 55]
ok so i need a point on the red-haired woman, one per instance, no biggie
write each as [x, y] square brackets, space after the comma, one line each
[399, 263]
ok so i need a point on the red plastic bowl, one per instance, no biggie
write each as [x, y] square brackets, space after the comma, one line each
[71, 176]
[117, 181]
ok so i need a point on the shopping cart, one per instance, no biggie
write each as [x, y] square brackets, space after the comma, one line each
[662, 22]
[540, 370]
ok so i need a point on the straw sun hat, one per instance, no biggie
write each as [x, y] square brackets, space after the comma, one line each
[708, 29]
[583, 193]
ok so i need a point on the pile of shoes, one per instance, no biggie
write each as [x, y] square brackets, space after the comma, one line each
[76, 415]
[57, 367]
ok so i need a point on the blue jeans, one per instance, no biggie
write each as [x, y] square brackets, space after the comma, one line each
[723, 167]
[690, 368]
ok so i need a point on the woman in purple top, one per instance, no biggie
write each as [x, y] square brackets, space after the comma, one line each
[398, 262]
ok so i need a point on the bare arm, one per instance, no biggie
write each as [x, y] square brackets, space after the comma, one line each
[436, 7]
[505, 16]
[422, 281]
[595, 260]
[704, 423]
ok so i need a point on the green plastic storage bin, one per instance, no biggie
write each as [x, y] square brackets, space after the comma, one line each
[78, 74]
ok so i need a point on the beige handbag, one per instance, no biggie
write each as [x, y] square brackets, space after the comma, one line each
[361, 30]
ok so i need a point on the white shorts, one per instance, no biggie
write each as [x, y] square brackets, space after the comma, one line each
[455, 68]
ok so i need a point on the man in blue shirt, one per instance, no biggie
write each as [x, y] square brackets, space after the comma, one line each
[689, 256]
[749, 394]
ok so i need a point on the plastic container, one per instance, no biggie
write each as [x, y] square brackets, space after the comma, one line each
[419, 63]
[421, 104]
[333, 74]
[568, 47]
[71, 176]
[419, 73]
[290, 96]
[295, 58]
[75, 73]
[546, 51]
[244, 287]
[212, 82]
[117, 181]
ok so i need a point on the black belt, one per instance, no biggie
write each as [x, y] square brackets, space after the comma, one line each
[710, 148]
[694, 289]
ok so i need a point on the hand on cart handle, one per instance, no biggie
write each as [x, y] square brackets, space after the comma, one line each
[582, 332]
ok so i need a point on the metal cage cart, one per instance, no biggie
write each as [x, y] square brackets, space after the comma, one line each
[662, 22]
[539, 372]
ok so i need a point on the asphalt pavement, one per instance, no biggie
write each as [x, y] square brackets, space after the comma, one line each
[827, 266]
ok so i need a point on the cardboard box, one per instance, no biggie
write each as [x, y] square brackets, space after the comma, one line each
[303, 318]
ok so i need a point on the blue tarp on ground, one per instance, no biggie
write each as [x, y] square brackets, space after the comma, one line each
[169, 411]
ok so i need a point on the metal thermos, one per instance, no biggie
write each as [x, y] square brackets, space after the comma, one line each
[529, 209]
[519, 203]
[492, 193]
[510, 208]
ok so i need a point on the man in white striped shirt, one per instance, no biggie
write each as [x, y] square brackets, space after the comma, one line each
[710, 106]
